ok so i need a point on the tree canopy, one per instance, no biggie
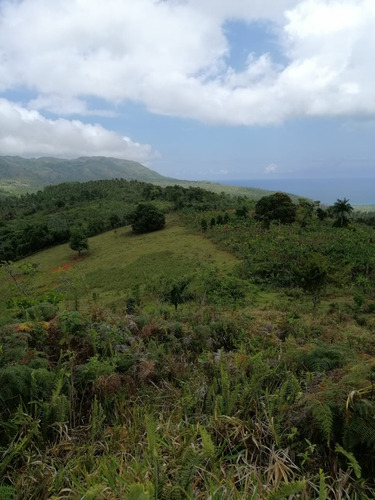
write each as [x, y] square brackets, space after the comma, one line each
[146, 218]
[78, 240]
[342, 210]
[277, 207]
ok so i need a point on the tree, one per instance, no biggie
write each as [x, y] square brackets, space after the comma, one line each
[146, 218]
[204, 225]
[342, 210]
[78, 240]
[177, 293]
[321, 213]
[304, 212]
[242, 211]
[277, 207]
[313, 275]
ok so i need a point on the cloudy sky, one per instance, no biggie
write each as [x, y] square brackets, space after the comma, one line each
[195, 89]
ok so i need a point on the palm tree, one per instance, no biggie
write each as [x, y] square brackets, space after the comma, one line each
[342, 210]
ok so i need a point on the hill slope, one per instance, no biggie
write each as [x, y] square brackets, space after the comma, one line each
[21, 175]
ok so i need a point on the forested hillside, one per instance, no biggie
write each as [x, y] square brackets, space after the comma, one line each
[22, 176]
[223, 348]
[28, 173]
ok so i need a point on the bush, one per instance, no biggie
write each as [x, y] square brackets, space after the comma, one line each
[277, 207]
[146, 218]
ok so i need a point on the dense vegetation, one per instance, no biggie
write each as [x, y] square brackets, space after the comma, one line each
[23, 174]
[35, 221]
[229, 355]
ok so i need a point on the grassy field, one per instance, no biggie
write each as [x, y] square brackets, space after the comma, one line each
[364, 208]
[119, 261]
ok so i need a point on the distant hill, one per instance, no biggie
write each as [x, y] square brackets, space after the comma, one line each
[25, 175]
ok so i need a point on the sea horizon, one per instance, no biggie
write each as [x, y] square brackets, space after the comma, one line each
[359, 191]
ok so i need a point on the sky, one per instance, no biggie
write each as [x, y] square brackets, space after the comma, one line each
[194, 89]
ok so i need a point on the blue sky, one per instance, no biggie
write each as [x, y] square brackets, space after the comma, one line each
[195, 89]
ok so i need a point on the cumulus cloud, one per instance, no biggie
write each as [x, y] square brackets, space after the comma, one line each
[172, 56]
[27, 133]
[271, 168]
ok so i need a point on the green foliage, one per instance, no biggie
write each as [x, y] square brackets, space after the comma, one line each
[146, 218]
[342, 210]
[313, 274]
[204, 225]
[323, 357]
[177, 292]
[304, 212]
[71, 322]
[138, 492]
[287, 489]
[352, 460]
[244, 392]
[78, 240]
[7, 492]
[242, 211]
[277, 207]
[15, 385]
[323, 415]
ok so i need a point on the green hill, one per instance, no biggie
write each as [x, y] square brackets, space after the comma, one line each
[26, 175]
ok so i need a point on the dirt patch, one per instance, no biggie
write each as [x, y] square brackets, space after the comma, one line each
[64, 267]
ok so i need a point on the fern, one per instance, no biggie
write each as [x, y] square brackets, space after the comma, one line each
[191, 461]
[323, 415]
[287, 489]
[208, 446]
[15, 385]
[322, 486]
[360, 429]
[7, 492]
[325, 358]
[137, 492]
[352, 460]
[96, 419]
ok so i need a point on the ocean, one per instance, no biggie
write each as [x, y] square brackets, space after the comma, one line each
[359, 191]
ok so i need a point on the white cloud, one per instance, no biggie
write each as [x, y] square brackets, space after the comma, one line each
[172, 56]
[27, 133]
[62, 105]
[271, 168]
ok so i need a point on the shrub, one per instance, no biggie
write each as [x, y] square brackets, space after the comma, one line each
[146, 218]
[277, 207]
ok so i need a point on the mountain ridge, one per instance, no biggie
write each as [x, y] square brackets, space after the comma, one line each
[20, 175]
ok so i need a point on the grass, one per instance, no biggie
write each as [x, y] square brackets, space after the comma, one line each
[119, 261]
[245, 400]
[364, 208]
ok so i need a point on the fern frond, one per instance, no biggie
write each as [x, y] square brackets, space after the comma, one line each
[287, 489]
[7, 492]
[322, 486]
[191, 461]
[137, 492]
[323, 415]
[352, 460]
[208, 446]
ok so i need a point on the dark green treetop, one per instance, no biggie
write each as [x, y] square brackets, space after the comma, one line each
[146, 218]
[78, 240]
[342, 210]
[277, 207]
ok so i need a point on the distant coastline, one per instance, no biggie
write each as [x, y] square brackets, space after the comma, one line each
[360, 191]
